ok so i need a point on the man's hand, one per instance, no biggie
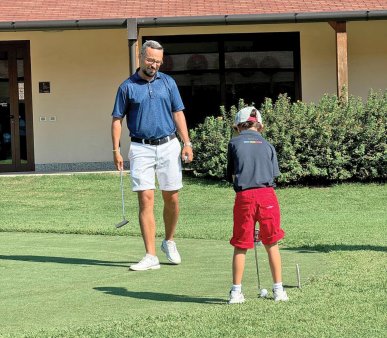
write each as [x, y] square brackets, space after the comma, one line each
[187, 153]
[118, 160]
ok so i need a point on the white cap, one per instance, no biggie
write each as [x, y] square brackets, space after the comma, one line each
[244, 115]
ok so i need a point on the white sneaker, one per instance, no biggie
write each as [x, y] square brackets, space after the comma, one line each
[236, 297]
[149, 262]
[280, 296]
[169, 248]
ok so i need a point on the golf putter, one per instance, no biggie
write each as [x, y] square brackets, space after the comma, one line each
[256, 243]
[124, 221]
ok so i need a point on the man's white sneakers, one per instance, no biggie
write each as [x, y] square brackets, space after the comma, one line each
[149, 262]
[169, 248]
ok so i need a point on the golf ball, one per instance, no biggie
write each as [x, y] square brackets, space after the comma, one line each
[264, 293]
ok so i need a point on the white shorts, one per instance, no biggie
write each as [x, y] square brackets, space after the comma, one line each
[148, 161]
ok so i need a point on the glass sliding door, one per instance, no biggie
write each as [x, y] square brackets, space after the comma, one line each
[5, 111]
[16, 139]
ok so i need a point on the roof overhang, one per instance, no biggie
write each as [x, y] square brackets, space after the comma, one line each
[209, 20]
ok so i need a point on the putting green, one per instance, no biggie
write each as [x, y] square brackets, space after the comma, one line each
[59, 281]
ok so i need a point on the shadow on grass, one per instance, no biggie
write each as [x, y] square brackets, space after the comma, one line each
[335, 247]
[157, 296]
[63, 260]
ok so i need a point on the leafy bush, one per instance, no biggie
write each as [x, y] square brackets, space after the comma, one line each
[332, 141]
[369, 159]
[210, 140]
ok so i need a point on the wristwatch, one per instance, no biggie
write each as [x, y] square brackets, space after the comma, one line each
[188, 144]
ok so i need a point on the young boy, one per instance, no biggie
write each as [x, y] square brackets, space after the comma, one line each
[252, 167]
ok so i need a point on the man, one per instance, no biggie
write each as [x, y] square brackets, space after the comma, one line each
[151, 102]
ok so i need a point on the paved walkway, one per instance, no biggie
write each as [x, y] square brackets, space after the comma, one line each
[40, 173]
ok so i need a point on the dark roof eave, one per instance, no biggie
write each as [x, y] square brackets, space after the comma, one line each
[262, 18]
[208, 20]
[62, 25]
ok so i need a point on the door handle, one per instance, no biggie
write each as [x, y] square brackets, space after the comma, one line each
[11, 116]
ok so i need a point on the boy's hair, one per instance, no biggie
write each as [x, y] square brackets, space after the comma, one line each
[253, 121]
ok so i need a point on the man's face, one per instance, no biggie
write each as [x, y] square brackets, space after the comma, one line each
[151, 62]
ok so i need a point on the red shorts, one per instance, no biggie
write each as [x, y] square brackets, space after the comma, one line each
[252, 206]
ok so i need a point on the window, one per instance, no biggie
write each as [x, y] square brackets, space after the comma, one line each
[215, 70]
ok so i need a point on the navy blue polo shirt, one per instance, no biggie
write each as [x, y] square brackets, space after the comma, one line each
[252, 160]
[148, 106]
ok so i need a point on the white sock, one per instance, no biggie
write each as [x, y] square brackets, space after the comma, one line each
[278, 287]
[237, 287]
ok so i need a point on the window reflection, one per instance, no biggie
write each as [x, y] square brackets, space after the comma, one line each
[22, 107]
[5, 121]
[215, 70]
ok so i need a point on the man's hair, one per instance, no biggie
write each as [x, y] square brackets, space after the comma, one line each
[151, 44]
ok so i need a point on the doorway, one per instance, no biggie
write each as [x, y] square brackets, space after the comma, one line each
[16, 130]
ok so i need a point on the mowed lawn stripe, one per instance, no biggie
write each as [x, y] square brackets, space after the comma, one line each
[59, 281]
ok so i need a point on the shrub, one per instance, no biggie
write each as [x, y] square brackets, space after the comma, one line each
[210, 140]
[332, 141]
[369, 149]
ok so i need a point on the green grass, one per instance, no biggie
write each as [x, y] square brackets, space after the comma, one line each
[80, 279]
[63, 265]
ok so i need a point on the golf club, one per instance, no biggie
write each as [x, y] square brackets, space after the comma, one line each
[298, 276]
[124, 221]
[257, 242]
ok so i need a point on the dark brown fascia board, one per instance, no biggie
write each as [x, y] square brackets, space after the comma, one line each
[62, 25]
[262, 18]
[209, 20]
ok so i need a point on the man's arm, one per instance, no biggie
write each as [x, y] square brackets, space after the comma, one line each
[181, 126]
[116, 135]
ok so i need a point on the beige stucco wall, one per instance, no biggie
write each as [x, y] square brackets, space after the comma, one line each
[367, 56]
[85, 68]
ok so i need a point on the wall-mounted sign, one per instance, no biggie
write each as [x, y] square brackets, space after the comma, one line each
[44, 87]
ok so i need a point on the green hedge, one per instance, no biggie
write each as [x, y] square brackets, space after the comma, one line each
[332, 141]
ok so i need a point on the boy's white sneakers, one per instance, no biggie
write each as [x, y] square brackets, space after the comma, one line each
[280, 296]
[236, 297]
[148, 262]
[169, 248]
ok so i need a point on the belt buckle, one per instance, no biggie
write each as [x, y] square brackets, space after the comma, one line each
[158, 141]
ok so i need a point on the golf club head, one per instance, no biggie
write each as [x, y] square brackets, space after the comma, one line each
[122, 223]
[257, 240]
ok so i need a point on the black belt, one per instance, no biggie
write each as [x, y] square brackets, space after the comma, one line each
[156, 142]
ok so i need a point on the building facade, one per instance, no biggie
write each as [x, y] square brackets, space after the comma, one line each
[58, 79]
